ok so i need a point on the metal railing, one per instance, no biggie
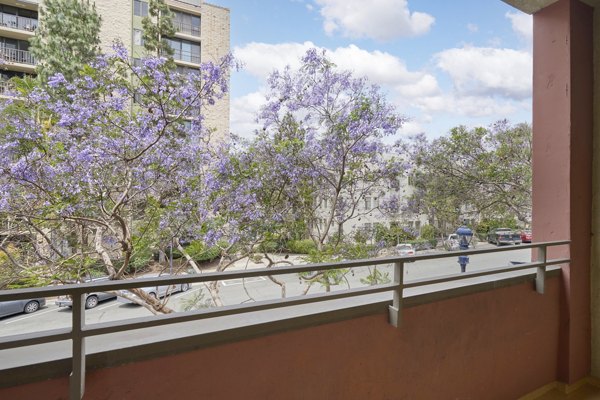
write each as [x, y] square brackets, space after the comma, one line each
[186, 56]
[18, 22]
[5, 86]
[80, 331]
[188, 29]
[16, 56]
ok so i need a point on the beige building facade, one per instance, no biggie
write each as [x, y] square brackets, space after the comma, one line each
[202, 35]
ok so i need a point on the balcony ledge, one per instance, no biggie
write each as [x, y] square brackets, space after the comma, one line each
[25, 365]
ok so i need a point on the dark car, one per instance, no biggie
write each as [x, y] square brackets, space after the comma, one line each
[526, 236]
[500, 236]
[21, 306]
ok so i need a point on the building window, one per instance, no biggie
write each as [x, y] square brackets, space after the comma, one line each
[140, 8]
[186, 23]
[184, 50]
[138, 37]
[368, 203]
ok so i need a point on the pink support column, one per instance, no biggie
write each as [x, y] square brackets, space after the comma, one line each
[562, 164]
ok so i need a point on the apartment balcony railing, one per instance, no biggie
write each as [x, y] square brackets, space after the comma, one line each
[16, 56]
[79, 331]
[17, 22]
[186, 28]
[186, 56]
[5, 87]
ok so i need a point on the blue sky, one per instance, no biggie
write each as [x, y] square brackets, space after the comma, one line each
[442, 63]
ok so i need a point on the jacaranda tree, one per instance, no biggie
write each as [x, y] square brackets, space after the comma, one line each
[323, 132]
[96, 168]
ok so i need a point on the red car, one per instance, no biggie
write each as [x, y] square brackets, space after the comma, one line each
[526, 236]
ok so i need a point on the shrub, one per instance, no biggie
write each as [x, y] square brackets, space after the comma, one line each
[304, 246]
[392, 235]
[269, 246]
[428, 232]
[200, 252]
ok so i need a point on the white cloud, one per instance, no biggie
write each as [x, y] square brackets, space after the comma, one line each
[488, 71]
[382, 68]
[470, 106]
[260, 59]
[522, 24]
[243, 113]
[411, 127]
[472, 28]
[376, 19]
[488, 82]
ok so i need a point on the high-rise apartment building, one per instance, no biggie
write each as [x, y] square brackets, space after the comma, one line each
[202, 34]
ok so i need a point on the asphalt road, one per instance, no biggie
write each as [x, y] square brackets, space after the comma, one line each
[240, 291]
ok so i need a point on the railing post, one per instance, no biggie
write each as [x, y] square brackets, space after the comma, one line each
[395, 309]
[540, 277]
[77, 378]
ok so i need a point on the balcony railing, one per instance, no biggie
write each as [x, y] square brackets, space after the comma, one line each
[17, 22]
[5, 86]
[186, 56]
[186, 28]
[16, 56]
[79, 331]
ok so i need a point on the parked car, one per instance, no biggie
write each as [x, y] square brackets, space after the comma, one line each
[526, 236]
[26, 306]
[156, 291]
[452, 243]
[405, 249]
[92, 299]
[502, 236]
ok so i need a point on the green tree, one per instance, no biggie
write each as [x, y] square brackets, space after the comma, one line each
[158, 25]
[484, 170]
[66, 39]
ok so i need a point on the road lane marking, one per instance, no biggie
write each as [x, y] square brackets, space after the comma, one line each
[31, 315]
[233, 282]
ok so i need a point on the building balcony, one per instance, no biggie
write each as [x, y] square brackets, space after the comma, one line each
[5, 87]
[183, 57]
[17, 60]
[186, 29]
[17, 22]
[490, 333]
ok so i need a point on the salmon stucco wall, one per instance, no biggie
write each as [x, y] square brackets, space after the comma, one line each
[562, 163]
[499, 344]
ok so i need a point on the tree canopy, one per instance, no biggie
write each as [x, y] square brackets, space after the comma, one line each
[66, 39]
[484, 171]
[97, 167]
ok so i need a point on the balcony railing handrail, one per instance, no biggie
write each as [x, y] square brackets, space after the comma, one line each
[184, 27]
[80, 288]
[80, 330]
[16, 55]
[18, 22]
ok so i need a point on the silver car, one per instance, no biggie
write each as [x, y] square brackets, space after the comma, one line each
[21, 306]
[91, 300]
[156, 291]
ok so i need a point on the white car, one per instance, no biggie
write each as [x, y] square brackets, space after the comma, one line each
[155, 291]
[405, 249]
